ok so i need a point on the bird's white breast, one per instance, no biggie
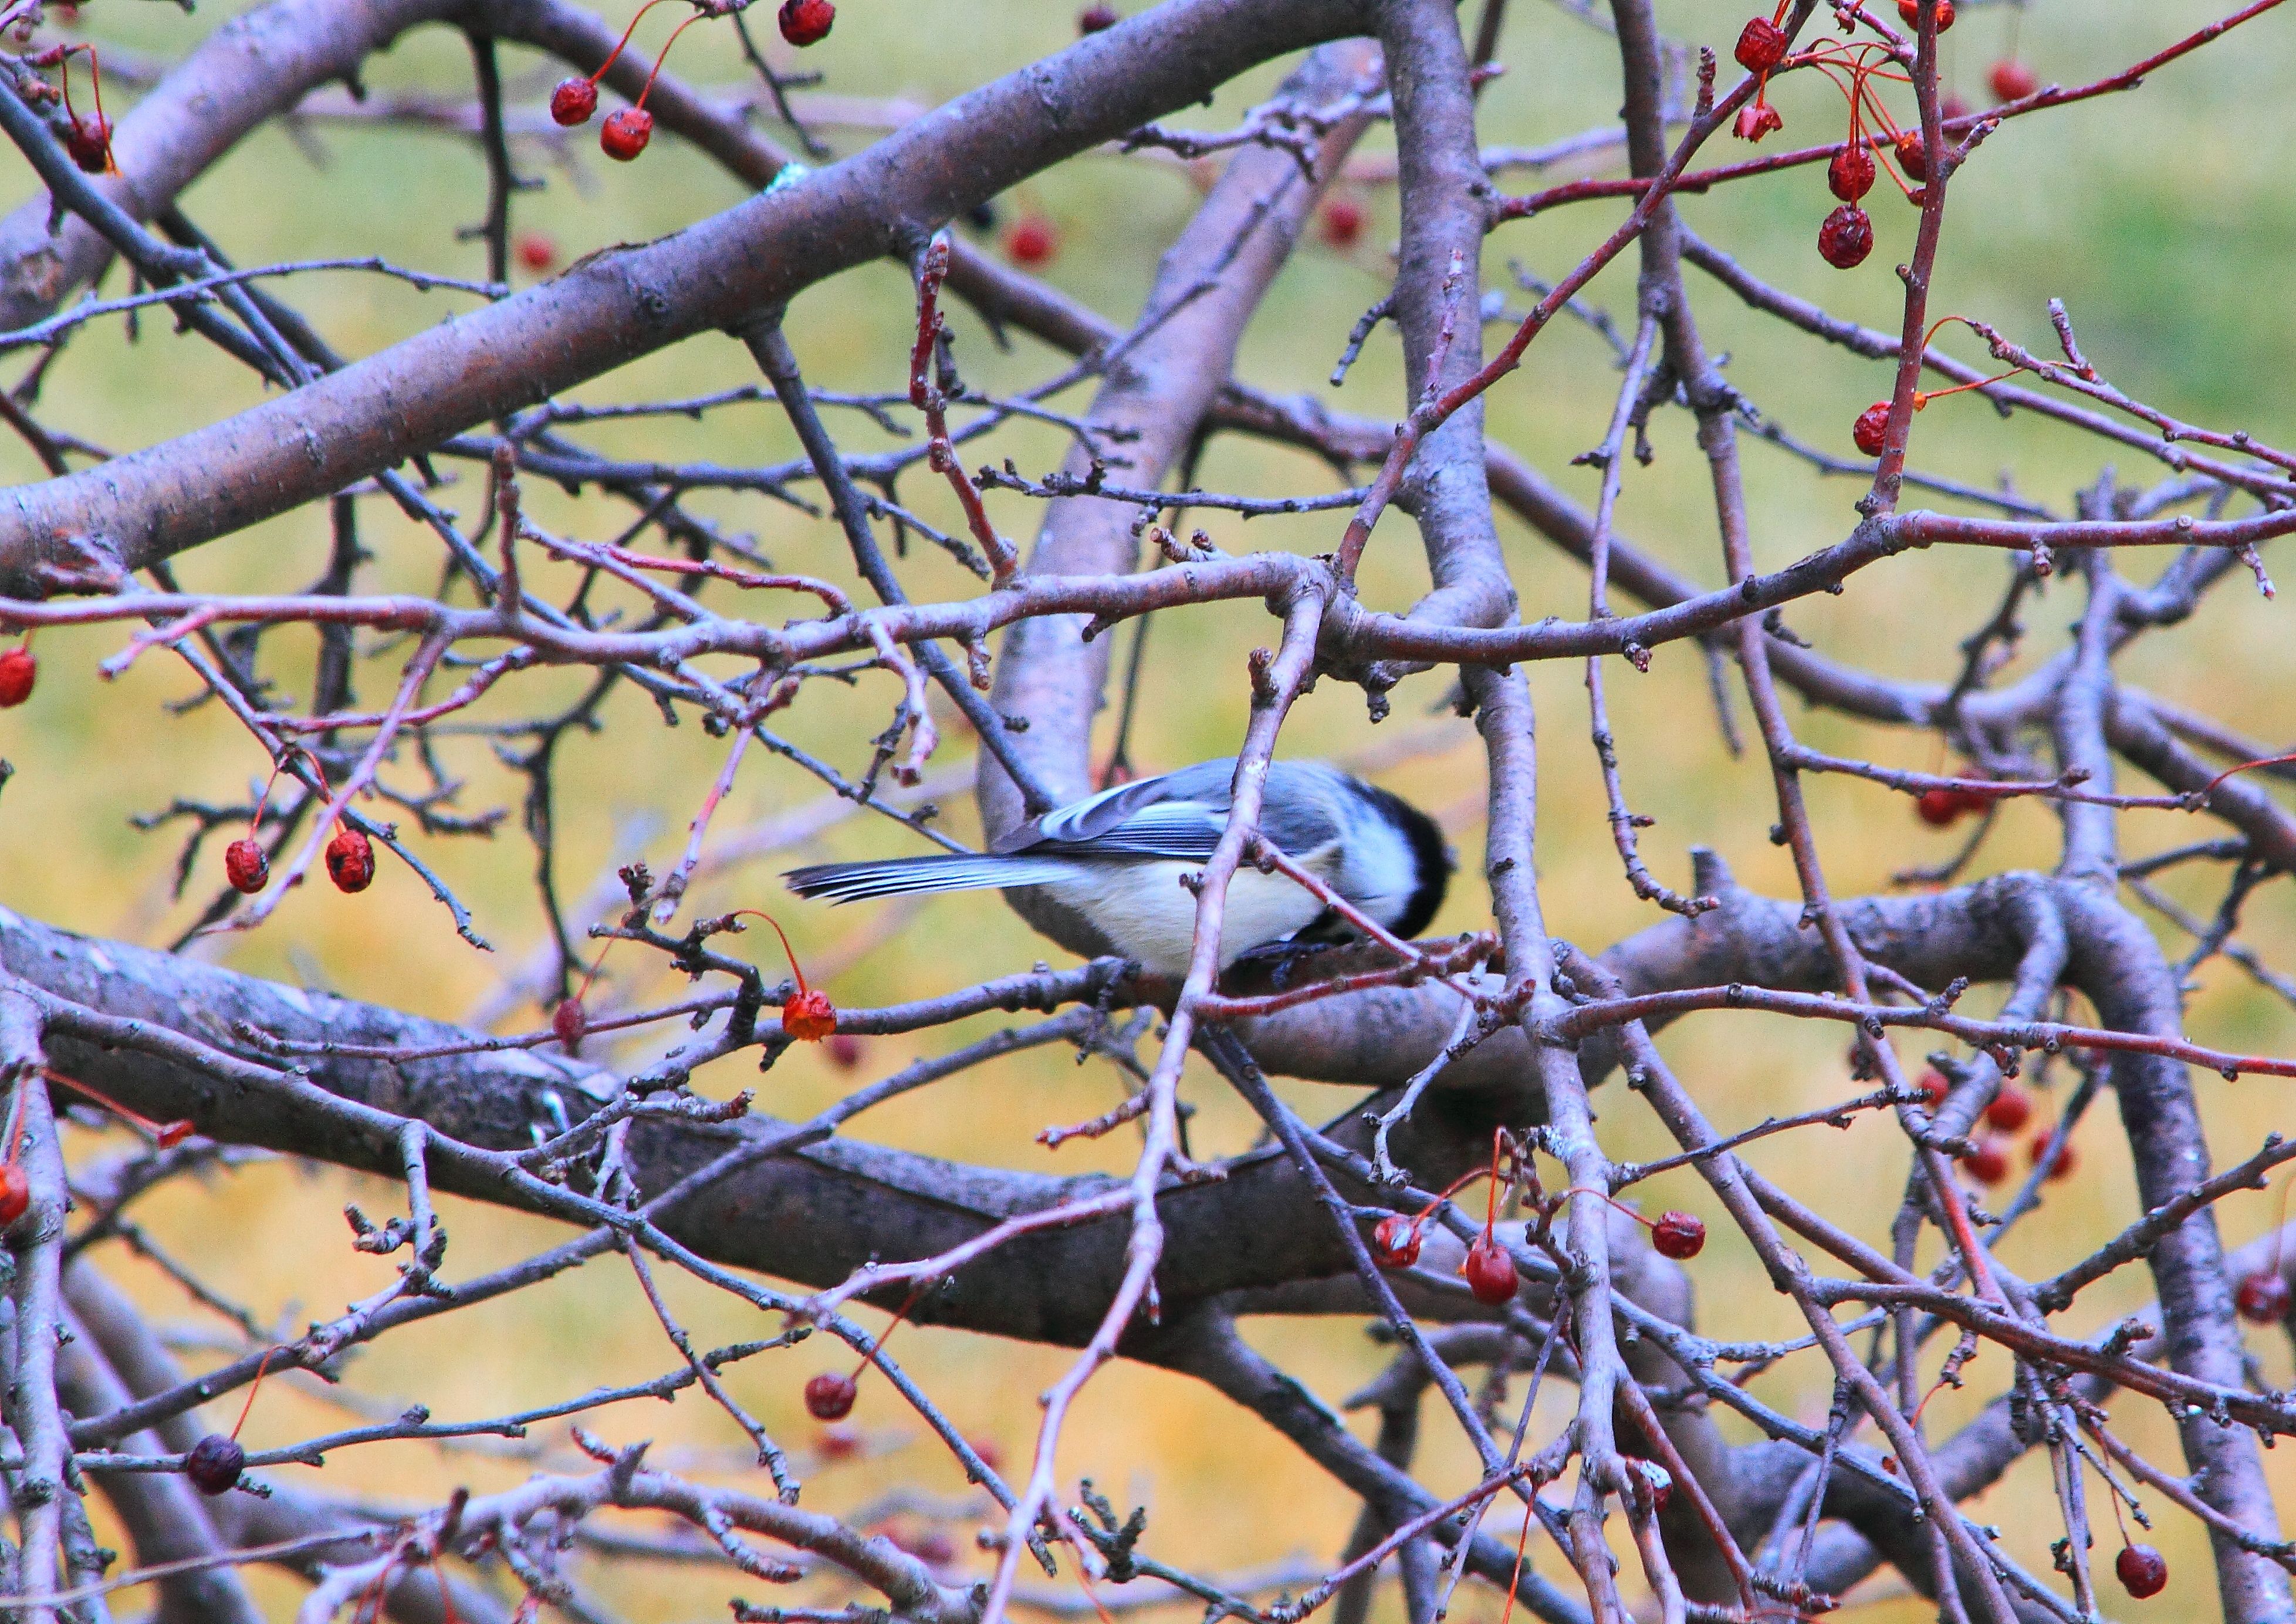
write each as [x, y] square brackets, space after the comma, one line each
[1150, 917]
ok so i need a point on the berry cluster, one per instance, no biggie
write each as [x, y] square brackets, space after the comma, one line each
[627, 130]
[87, 136]
[2010, 1110]
[349, 856]
[1488, 1268]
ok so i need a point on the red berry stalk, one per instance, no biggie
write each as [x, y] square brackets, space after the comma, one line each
[215, 1463]
[166, 1136]
[829, 1395]
[245, 864]
[88, 137]
[810, 1017]
[576, 99]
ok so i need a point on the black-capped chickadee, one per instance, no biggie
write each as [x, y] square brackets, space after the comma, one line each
[1117, 859]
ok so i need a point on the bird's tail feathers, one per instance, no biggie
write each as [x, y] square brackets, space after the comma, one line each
[908, 876]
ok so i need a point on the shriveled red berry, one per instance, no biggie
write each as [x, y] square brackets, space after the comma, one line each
[2011, 80]
[571, 1020]
[1679, 1235]
[1341, 222]
[19, 670]
[1911, 10]
[351, 859]
[810, 1017]
[1846, 238]
[625, 134]
[1489, 1272]
[829, 1396]
[535, 250]
[1031, 241]
[89, 142]
[1913, 155]
[2262, 1297]
[573, 101]
[1761, 45]
[806, 22]
[1934, 1086]
[1850, 175]
[1871, 431]
[2068, 1159]
[1940, 809]
[2010, 1110]
[1097, 19]
[1757, 119]
[1395, 1242]
[845, 1050]
[2141, 1570]
[15, 1192]
[245, 865]
[1986, 1161]
[215, 1464]
[1951, 106]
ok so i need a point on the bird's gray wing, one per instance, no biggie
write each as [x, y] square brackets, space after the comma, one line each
[1180, 815]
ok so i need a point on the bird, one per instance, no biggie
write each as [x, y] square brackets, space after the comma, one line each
[1117, 858]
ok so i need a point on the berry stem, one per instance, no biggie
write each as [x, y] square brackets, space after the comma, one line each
[261, 1366]
[167, 1134]
[796, 969]
[614, 55]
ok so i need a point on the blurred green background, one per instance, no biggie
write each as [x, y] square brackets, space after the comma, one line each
[2163, 219]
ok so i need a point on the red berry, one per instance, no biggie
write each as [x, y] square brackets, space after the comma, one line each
[1661, 1481]
[806, 22]
[1761, 45]
[837, 1443]
[1911, 10]
[1846, 238]
[1342, 222]
[1940, 809]
[1987, 1162]
[2011, 80]
[933, 1548]
[810, 1017]
[1032, 241]
[829, 1396]
[535, 250]
[1394, 1242]
[15, 1192]
[215, 1464]
[1850, 175]
[1097, 19]
[1490, 1271]
[1679, 1235]
[1757, 119]
[1934, 1086]
[19, 670]
[2068, 1159]
[2141, 1569]
[845, 1050]
[625, 134]
[245, 865]
[89, 142]
[2011, 1108]
[1913, 155]
[350, 860]
[1871, 431]
[2263, 1298]
[573, 101]
[571, 1020]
